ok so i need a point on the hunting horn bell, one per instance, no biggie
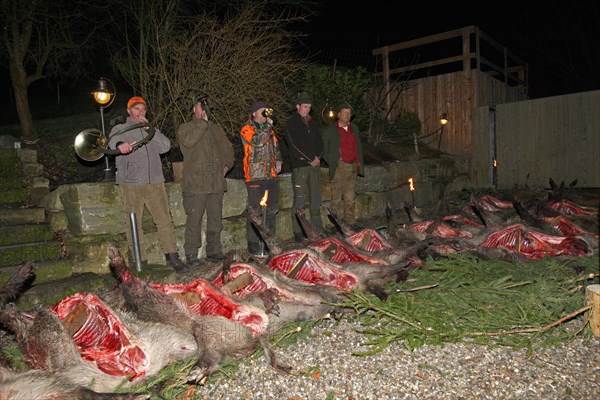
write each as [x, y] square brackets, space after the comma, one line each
[87, 143]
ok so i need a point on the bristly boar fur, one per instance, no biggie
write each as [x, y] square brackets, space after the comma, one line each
[217, 337]
[42, 333]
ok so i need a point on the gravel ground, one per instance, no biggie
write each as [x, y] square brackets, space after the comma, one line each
[324, 368]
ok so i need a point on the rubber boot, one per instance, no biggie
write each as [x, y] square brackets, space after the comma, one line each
[175, 262]
[192, 260]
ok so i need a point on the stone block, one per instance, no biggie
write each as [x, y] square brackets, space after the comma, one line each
[376, 179]
[235, 199]
[52, 202]
[32, 169]
[400, 172]
[371, 204]
[286, 194]
[21, 216]
[175, 204]
[57, 220]
[89, 253]
[39, 182]
[93, 209]
[28, 156]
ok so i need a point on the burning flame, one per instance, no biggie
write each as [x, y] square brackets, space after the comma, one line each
[495, 163]
[412, 186]
[263, 201]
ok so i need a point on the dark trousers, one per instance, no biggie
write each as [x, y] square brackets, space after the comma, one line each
[195, 204]
[306, 182]
[256, 190]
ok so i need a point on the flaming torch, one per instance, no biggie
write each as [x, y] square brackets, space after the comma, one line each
[412, 191]
[263, 204]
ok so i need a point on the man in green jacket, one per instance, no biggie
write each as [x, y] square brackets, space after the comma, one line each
[207, 157]
[342, 150]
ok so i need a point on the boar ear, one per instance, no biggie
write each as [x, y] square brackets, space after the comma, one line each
[572, 184]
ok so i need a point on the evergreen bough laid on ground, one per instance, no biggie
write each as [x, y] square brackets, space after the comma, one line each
[491, 302]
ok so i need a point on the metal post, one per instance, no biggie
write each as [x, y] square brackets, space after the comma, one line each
[136, 242]
[108, 175]
[440, 139]
[262, 241]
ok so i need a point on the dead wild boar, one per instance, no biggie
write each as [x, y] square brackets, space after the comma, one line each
[43, 340]
[285, 300]
[47, 345]
[217, 337]
[43, 385]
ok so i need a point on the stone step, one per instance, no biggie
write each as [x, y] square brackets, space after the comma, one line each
[11, 175]
[45, 271]
[17, 254]
[13, 195]
[20, 216]
[48, 293]
[54, 281]
[18, 234]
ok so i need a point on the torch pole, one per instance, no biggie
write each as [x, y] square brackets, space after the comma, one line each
[136, 241]
[264, 223]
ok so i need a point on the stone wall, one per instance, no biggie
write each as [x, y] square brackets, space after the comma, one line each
[90, 214]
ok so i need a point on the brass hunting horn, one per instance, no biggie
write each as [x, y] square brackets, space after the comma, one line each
[92, 145]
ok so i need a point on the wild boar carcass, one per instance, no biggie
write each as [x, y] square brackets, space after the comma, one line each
[307, 265]
[284, 299]
[217, 337]
[42, 333]
[535, 245]
[43, 385]
[117, 342]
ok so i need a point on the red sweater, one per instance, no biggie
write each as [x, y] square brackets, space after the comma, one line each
[348, 145]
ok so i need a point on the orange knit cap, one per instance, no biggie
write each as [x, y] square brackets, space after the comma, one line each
[135, 100]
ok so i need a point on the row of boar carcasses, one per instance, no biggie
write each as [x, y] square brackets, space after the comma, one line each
[88, 345]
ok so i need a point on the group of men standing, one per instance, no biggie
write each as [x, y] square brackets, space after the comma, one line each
[208, 156]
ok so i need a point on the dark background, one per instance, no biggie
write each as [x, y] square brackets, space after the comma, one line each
[559, 40]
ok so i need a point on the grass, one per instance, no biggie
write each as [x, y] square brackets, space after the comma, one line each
[493, 303]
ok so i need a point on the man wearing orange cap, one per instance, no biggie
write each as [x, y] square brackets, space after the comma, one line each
[141, 181]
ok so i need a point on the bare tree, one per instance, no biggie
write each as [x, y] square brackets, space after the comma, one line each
[42, 39]
[233, 55]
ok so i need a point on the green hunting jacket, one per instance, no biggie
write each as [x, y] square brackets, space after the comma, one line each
[206, 152]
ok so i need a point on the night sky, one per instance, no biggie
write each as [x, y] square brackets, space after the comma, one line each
[560, 40]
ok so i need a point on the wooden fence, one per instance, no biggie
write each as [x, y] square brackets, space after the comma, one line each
[528, 142]
[500, 138]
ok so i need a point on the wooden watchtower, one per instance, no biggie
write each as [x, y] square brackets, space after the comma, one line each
[450, 73]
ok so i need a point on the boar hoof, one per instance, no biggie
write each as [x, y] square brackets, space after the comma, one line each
[197, 376]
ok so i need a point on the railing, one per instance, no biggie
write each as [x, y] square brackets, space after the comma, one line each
[466, 52]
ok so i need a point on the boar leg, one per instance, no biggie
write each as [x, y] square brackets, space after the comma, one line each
[11, 289]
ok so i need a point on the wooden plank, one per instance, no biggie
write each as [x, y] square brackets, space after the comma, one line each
[419, 66]
[422, 41]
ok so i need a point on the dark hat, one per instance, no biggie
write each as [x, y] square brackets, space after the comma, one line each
[199, 97]
[343, 105]
[257, 105]
[304, 98]
[135, 100]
